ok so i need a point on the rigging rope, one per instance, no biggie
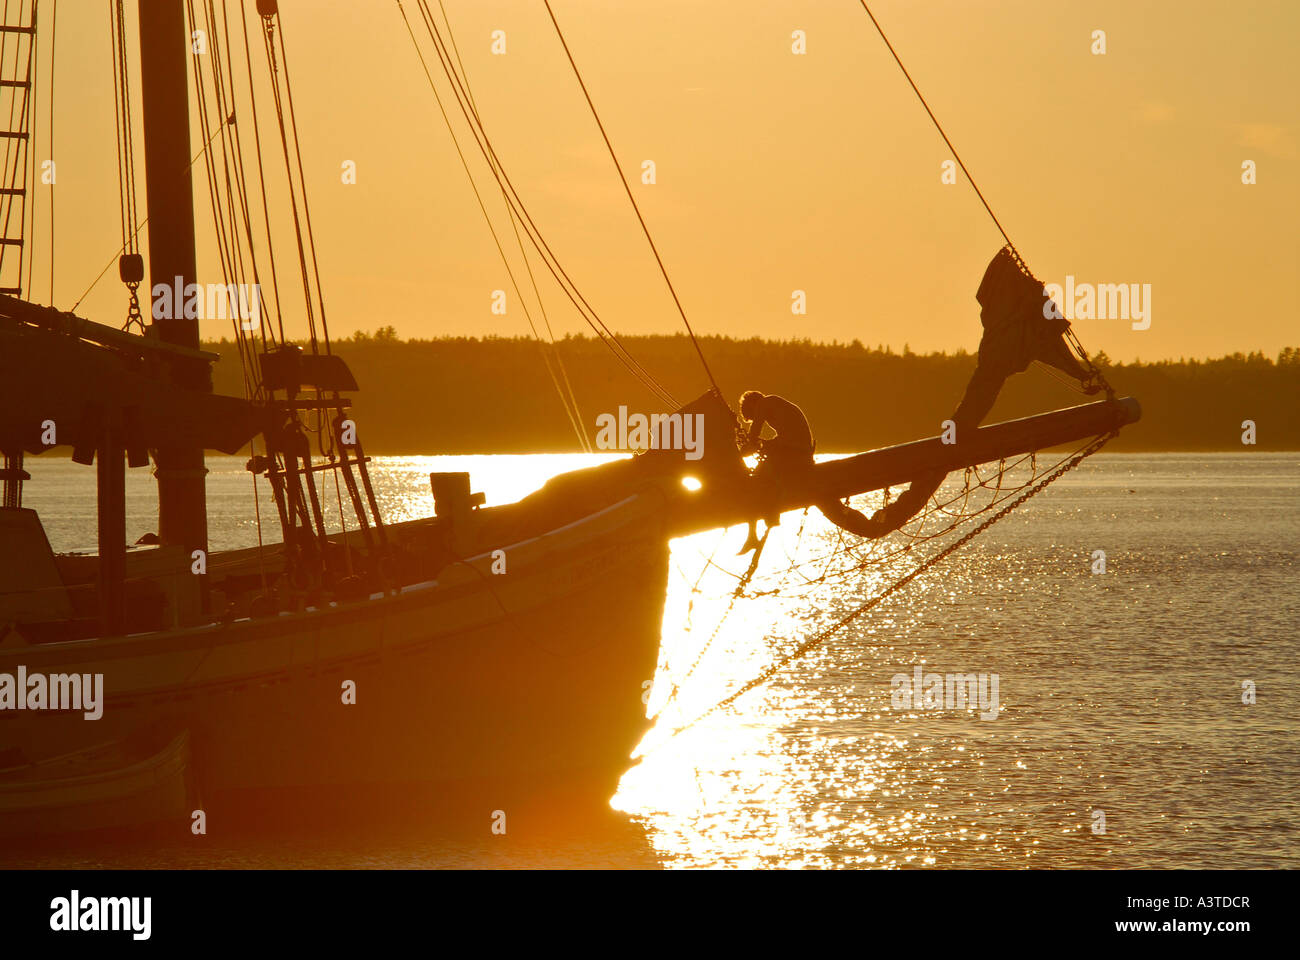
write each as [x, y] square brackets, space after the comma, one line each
[635, 207]
[1070, 336]
[1025, 493]
[535, 236]
[122, 130]
[569, 402]
[131, 266]
[261, 177]
[135, 233]
[225, 224]
[33, 71]
[938, 126]
[302, 179]
[567, 396]
[54, 19]
[268, 40]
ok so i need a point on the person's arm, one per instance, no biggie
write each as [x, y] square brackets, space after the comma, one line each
[755, 432]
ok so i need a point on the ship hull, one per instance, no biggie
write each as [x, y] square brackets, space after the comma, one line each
[484, 686]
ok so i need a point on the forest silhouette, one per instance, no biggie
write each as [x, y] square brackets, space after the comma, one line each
[461, 395]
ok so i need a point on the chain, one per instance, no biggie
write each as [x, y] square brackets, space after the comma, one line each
[818, 639]
[677, 684]
[735, 596]
[133, 314]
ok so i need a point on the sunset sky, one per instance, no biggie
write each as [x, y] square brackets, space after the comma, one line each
[775, 172]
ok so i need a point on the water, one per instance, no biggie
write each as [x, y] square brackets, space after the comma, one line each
[1119, 693]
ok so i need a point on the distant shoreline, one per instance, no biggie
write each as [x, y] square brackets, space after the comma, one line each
[466, 396]
[62, 453]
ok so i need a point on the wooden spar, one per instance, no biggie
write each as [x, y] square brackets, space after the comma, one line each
[893, 466]
[164, 79]
[898, 465]
[60, 321]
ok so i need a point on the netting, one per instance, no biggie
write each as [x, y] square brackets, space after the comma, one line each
[808, 565]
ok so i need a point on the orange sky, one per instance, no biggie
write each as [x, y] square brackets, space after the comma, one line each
[775, 172]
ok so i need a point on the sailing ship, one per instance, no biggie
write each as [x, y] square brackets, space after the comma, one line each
[373, 663]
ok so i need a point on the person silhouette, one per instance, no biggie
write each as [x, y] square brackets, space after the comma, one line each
[787, 453]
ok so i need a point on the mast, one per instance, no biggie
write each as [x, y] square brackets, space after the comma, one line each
[164, 46]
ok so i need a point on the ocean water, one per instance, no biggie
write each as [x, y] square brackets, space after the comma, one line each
[1119, 738]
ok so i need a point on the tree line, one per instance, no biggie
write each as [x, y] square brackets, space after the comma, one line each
[495, 395]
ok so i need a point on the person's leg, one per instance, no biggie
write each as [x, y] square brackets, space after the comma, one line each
[761, 472]
[767, 472]
[789, 464]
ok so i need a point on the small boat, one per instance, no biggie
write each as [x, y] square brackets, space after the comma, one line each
[113, 785]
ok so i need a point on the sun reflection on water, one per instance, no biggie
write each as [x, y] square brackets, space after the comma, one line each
[762, 783]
